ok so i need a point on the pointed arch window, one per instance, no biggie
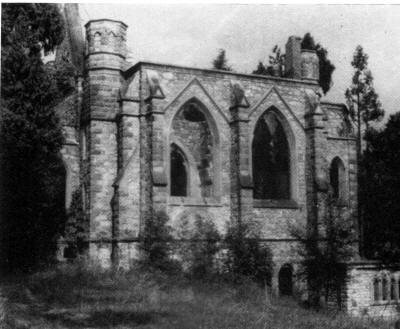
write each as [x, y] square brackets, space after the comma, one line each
[179, 172]
[194, 130]
[338, 179]
[271, 159]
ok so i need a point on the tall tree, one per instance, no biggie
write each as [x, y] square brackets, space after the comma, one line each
[324, 251]
[364, 107]
[380, 196]
[361, 96]
[32, 198]
[326, 68]
[220, 62]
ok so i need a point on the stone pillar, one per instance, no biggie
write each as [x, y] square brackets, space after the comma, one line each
[293, 58]
[154, 177]
[316, 168]
[105, 56]
[309, 65]
[241, 182]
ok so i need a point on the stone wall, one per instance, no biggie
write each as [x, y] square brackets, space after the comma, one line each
[362, 300]
[119, 152]
[134, 118]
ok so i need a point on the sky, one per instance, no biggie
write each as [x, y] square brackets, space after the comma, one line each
[191, 35]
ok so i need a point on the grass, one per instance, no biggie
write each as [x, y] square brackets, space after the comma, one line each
[76, 297]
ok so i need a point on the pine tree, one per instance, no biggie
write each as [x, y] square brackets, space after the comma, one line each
[380, 196]
[326, 68]
[220, 62]
[364, 107]
[33, 179]
[361, 97]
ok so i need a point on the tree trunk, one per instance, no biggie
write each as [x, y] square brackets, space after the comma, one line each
[359, 208]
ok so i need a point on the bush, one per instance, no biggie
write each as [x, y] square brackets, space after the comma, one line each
[246, 257]
[155, 245]
[76, 227]
[198, 257]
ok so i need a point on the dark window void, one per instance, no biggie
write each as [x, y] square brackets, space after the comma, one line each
[271, 167]
[393, 289]
[285, 280]
[384, 289]
[179, 175]
[191, 127]
[337, 178]
[376, 289]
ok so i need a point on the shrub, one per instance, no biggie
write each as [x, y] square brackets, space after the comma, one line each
[246, 256]
[324, 249]
[155, 245]
[203, 247]
[76, 227]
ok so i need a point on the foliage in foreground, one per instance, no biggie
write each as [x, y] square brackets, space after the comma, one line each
[324, 250]
[33, 176]
[246, 256]
[82, 297]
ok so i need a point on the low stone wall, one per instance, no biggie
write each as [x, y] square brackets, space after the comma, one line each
[373, 290]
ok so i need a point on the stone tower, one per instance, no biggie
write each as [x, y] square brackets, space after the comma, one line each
[105, 56]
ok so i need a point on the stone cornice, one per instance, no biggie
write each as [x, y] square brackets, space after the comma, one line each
[138, 65]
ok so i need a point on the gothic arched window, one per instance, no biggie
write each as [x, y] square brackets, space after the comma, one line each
[271, 159]
[194, 131]
[384, 288]
[338, 179]
[179, 174]
[393, 287]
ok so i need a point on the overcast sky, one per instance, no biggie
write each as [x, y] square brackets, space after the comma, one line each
[191, 35]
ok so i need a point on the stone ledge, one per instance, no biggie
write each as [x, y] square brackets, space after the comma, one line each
[341, 138]
[386, 303]
[140, 64]
[264, 203]
[194, 202]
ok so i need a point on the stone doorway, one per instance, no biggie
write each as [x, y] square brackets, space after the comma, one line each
[285, 278]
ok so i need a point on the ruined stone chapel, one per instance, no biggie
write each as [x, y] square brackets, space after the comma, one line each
[219, 145]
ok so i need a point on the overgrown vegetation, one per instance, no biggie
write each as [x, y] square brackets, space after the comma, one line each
[221, 62]
[200, 243]
[276, 64]
[33, 175]
[246, 257]
[198, 251]
[76, 230]
[156, 244]
[324, 249]
[77, 296]
[365, 109]
[326, 67]
[380, 197]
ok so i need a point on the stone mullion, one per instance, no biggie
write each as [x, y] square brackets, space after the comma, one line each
[246, 190]
[158, 163]
[316, 172]
[241, 186]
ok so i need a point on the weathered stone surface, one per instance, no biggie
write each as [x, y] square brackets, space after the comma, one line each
[130, 119]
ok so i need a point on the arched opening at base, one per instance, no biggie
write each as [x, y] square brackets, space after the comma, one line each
[286, 280]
